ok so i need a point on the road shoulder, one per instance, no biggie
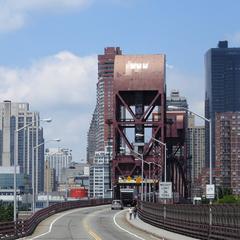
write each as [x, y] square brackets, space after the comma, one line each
[157, 232]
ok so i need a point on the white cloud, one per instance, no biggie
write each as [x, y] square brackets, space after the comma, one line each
[62, 86]
[190, 86]
[60, 79]
[234, 38]
[72, 128]
[14, 13]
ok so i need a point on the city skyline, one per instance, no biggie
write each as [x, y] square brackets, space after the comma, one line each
[41, 46]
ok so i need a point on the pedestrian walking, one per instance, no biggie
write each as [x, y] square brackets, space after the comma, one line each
[135, 212]
[130, 210]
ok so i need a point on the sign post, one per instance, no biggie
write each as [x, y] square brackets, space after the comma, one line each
[210, 194]
[165, 190]
[210, 191]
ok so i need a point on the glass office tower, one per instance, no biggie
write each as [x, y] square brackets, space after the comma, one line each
[222, 69]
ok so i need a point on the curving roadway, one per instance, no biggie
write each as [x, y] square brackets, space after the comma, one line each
[94, 223]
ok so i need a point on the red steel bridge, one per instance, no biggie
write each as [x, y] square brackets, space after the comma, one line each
[140, 114]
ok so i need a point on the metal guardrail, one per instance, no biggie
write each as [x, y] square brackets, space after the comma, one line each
[194, 220]
[23, 228]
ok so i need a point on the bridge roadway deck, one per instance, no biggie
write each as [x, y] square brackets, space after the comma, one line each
[99, 223]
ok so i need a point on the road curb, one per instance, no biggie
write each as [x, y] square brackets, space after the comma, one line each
[165, 235]
[139, 228]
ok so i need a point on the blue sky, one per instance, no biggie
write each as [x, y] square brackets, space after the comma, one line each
[48, 51]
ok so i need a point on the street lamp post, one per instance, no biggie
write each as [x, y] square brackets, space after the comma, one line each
[47, 172]
[154, 179]
[149, 176]
[210, 137]
[165, 157]
[210, 147]
[149, 184]
[154, 196]
[141, 158]
[33, 167]
[15, 166]
[165, 170]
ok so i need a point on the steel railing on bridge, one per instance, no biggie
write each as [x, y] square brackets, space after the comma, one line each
[194, 220]
[22, 228]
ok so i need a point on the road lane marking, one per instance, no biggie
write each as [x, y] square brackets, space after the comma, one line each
[156, 237]
[133, 234]
[88, 228]
[54, 221]
[90, 231]
[94, 235]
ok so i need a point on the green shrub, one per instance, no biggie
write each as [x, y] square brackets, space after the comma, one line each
[6, 212]
[229, 199]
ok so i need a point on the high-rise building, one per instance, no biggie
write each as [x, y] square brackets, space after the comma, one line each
[92, 138]
[222, 67]
[105, 94]
[19, 145]
[98, 135]
[196, 150]
[227, 138]
[77, 171]
[58, 158]
[49, 178]
[99, 175]
[176, 100]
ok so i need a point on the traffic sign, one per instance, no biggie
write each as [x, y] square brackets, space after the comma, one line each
[210, 191]
[138, 180]
[165, 190]
[129, 178]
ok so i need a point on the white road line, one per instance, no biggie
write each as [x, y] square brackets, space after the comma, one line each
[55, 220]
[88, 228]
[156, 237]
[51, 225]
[115, 222]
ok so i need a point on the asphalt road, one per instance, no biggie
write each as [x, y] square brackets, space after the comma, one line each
[95, 223]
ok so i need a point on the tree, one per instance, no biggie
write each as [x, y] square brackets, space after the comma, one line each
[6, 212]
[223, 192]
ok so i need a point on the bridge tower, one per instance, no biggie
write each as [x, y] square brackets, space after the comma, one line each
[139, 108]
[177, 167]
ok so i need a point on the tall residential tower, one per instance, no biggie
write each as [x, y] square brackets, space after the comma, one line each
[98, 135]
[196, 151]
[228, 151]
